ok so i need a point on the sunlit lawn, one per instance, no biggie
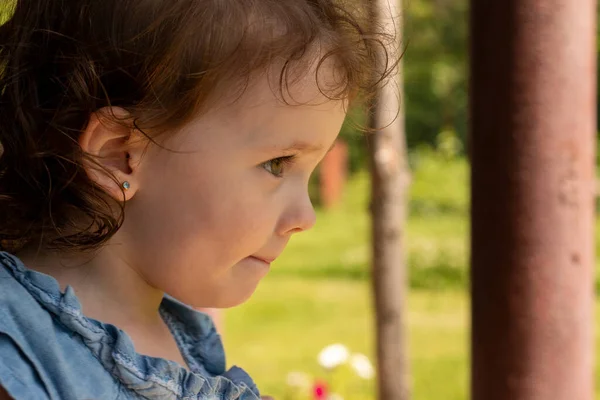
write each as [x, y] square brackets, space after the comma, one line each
[318, 294]
[289, 320]
[286, 324]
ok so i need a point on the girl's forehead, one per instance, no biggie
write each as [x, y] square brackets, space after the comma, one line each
[263, 117]
[302, 107]
[264, 125]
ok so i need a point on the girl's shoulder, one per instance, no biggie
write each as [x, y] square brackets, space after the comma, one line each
[18, 372]
[49, 349]
[39, 356]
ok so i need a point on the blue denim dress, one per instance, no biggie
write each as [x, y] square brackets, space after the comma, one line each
[50, 350]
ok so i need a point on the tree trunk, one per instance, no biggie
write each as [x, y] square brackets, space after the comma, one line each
[389, 179]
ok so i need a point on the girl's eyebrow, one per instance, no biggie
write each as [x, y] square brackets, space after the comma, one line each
[304, 147]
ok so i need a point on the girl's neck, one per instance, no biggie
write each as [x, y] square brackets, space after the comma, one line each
[109, 289]
[112, 291]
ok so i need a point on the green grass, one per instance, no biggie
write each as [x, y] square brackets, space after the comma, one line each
[289, 320]
[318, 292]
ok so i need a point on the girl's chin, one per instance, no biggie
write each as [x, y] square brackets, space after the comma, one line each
[250, 272]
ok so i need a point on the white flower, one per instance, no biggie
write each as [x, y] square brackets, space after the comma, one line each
[334, 396]
[333, 356]
[298, 379]
[362, 366]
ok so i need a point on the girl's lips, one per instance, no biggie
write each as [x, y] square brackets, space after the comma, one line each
[265, 260]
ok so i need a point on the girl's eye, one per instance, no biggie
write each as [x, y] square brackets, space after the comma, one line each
[277, 166]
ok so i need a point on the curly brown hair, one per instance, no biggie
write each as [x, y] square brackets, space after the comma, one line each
[163, 61]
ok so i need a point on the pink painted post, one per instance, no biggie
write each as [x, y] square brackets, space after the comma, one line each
[333, 174]
[533, 106]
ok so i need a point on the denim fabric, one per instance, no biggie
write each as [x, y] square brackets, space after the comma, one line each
[50, 350]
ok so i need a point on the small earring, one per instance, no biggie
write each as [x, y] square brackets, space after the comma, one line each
[126, 185]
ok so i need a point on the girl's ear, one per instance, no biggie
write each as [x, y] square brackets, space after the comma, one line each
[113, 154]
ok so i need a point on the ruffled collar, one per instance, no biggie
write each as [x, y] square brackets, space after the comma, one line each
[150, 377]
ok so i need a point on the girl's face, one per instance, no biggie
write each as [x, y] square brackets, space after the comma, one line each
[212, 211]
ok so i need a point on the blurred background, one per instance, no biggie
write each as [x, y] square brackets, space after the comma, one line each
[319, 292]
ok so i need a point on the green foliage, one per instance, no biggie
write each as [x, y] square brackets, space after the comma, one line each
[435, 79]
[435, 69]
[439, 184]
[353, 133]
[6, 9]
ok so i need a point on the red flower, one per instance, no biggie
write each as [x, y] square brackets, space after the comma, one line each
[320, 390]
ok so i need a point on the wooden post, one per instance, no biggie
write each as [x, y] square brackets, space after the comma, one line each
[533, 133]
[389, 179]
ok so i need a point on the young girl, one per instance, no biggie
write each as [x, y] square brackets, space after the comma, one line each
[155, 158]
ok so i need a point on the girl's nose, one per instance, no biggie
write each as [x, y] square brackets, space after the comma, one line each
[299, 217]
